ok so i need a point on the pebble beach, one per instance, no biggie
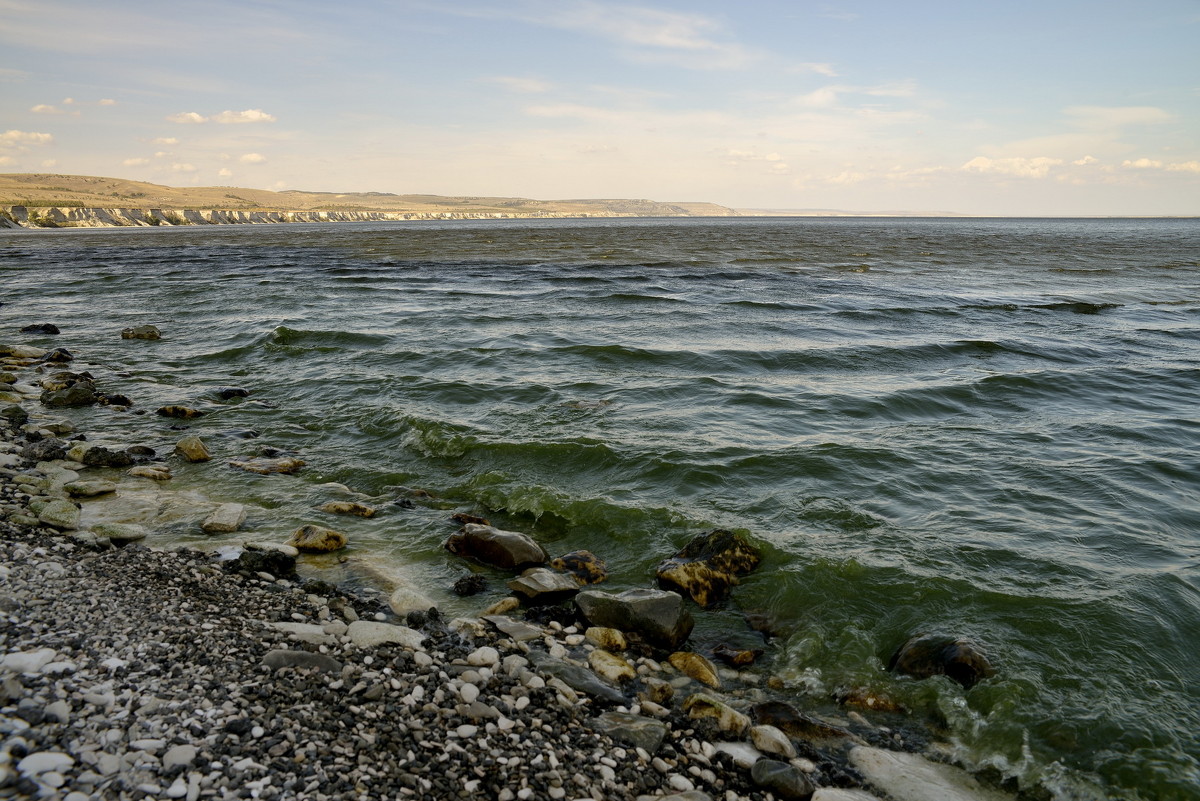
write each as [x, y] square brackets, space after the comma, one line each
[131, 672]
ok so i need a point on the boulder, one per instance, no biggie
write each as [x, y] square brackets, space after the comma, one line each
[14, 415]
[48, 329]
[911, 777]
[706, 569]
[927, 655]
[80, 393]
[695, 667]
[193, 449]
[370, 634]
[348, 508]
[640, 732]
[496, 547]
[782, 779]
[59, 356]
[286, 465]
[656, 615]
[263, 559]
[724, 716]
[317, 539]
[585, 566]
[119, 533]
[225, 518]
[155, 472]
[577, 678]
[543, 585]
[178, 412]
[89, 489]
[57, 512]
[141, 332]
[99, 456]
[45, 450]
[793, 723]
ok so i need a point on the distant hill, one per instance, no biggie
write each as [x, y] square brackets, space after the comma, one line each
[46, 190]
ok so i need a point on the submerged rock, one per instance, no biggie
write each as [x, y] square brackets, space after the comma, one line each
[120, 533]
[585, 566]
[155, 472]
[707, 567]
[99, 456]
[656, 615]
[695, 667]
[348, 508]
[193, 449]
[317, 539]
[469, 585]
[79, 391]
[544, 585]
[225, 518]
[89, 489]
[793, 723]
[286, 465]
[48, 329]
[229, 393]
[927, 655]
[912, 777]
[782, 779]
[496, 547]
[736, 657]
[141, 332]
[179, 412]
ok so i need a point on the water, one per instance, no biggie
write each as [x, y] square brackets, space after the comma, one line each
[986, 427]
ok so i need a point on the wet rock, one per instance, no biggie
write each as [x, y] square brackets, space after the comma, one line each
[606, 638]
[46, 450]
[113, 400]
[348, 508]
[266, 560]
[656, 615]
[911, 777]
[79, 393]
[707, 567]
[22, 351]
[155, 472]
[515, 629]
[282, 658]
[405, 599]
[656, 690]
[371, 634]
[462, 518]
[635, 730]
[48, 329]
[14, 415]
[58, 356]
[793, 723]
[585, 566]
[771, 740]
[610, 667]
[193, 449]
[470, 585]
[178, 412]
[89, 489]
[286, 465]
[317, 539]
[543, 585]
[229, 393]
[56, 512]
[496, 547]
[784, 780]
[736, 657]
[696, 667]
[727, 719]
[120, 533]
[577, 678]
[99, 456]
[141, 332]
[225, 518]
[840, 794]
[863, 698]
[927, 655]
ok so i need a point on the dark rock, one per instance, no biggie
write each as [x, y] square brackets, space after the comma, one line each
[470, 585]
[180, 412]
[141, 332]
[635, 730]
[79, 393]
[737, 657]
[927, 655]
[47, 450]
[242, 433]
[543, 585]
[229, 393]
[577, 678]
[493, 546]
[99, 456]
[276, 563]
[656, 615]
[58, 356]
[141, 452]
[462, 518]
[585, 566]
[41, 328]
[404, 503]
[15, 415]
[707, 567]
[239, 726]
[115, 400]
[784, 780]
[283, 657]
[793, 723]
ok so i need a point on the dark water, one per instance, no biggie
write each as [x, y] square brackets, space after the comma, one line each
[985, 427]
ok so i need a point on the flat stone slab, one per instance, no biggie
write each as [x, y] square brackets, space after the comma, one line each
[283, 657]
[225, 518]
[369, 634]
[912, 777]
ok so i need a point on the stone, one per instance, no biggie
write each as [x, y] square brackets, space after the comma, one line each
[707, 567]
[405, 599]
[229, 393]
[178, 412]
[656, 690]
[694, 666]
[544, 585]
[784, 780]
[487, 656]
[656, 615]
[277, 562]
[150, 471]
[58, 513]
[193, 449]
[472, 584]
[48, 329]
[281, 658]
[304, 632]
[22, 351]
[89, 489]
[636, 730]
[736, 657]
[926, 655]
[317, 539]
[46, 450]
[369, 634]
[607, 638]
[286, 465]
[839, 794]
[610, 667]
[462, 518]
[59, 356]
[14, 415]
[726, 717]
[585, 566]
[141, 332]
[225, 518]
[77, 393]
[119, 533]
[510, 550]
[45, 762]
[793, 723]
[27, 661]
[743, 755]
[864, 698]
[517, 630]
[911, 777]
[771, 740]
[179, 756]
[348, 508]
[99, 456]
[577, 678]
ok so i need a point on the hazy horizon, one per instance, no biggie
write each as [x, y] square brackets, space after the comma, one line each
[1026, 109]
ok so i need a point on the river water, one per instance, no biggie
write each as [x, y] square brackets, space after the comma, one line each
[981, 427]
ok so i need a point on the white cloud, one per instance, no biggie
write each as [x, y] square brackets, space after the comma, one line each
[1085, 161]
[135, 162]
[187, 118]
[253, 158]
[240, 117]
[20, 140]
[107, 101]
[177, 167]
[1185, 166]
[1142, 164]
[1037, 167]
[224, 172]
[67, 101]
[161, 154]
[522, 85]
[164, 140]
[42, 108]
[1110, 117]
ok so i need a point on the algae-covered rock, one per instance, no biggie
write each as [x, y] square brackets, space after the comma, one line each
[726, 717]
[317, 539]
[694, 666]
[141, 332]
[348, 508]
[706, 569]
[193, 449]
[585, 566]
[926, 655]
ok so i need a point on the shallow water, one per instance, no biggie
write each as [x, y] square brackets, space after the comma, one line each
[985, 427]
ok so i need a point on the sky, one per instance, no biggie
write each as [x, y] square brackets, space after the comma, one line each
[1053, 107]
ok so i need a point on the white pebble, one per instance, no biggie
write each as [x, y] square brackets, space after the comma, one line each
[469, 693]
[257, 732]
[466, 731]
[681, 784]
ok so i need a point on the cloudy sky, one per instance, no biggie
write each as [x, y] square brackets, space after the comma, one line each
[1023, 108]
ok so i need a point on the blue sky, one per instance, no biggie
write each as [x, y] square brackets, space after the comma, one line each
[983, 108]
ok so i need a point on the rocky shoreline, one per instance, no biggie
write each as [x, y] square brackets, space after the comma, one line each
[129, 672]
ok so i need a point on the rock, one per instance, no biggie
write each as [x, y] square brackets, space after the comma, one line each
[863, 698]
[348, 508]
[544, 585]
[81, 392]
[56, 512]
[793, 723]
[283, 657]
[771, 740]
[656, 615]
[606, 638]
[515, 629]
[726, 717]
[585, 566]
[229, 393]
[114, 400]
[927, 655]
[58, 356]
[470, 585]
[405, 599]
[838, 794]
[141, 332]
[911, 777]
[656, 690]
[46, 450]
[462, 518]
[193, 449]
[736, 657]
[89, 489]
[225, 518]
[27, 661]
[496, 547]
[22, 351]
[14, 415]
[782, 779]
[45, 762]
[743, 755]
[304, 632]
[49, 329]
[263, 466]
[179, 412]
[707, 567]
[99, 456]
[153, 472]
[577, 678]
[695, 667]
[610, 667]
[317, 539]
[268, 560]
[369, 634]
[119, 533]
[635, 730]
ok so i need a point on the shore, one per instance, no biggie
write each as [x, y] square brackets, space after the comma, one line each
[131, 672]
